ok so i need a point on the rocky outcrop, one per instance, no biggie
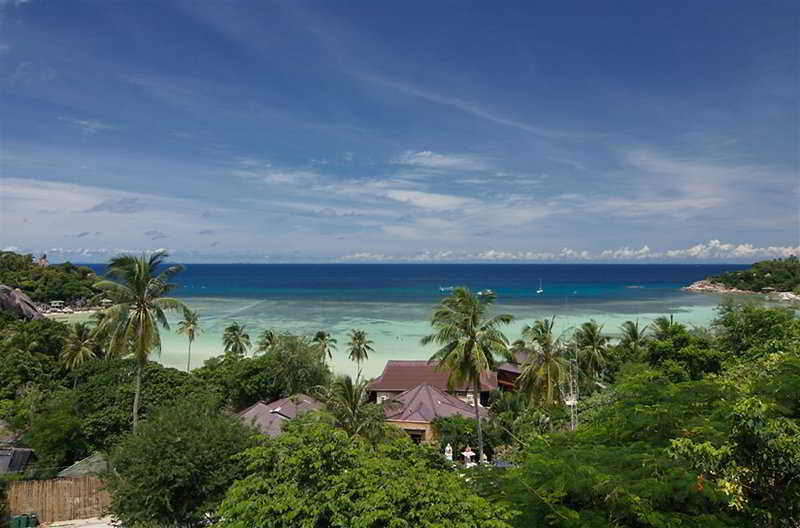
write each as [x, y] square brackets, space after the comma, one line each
[706, 286]
[13, 300]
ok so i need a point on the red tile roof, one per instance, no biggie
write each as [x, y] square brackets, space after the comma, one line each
[401, 375]
[269, 417]
[425, 402]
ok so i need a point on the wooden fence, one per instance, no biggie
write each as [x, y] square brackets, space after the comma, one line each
[59, 499]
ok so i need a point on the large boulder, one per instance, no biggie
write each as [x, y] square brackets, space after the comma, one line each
[13, 300]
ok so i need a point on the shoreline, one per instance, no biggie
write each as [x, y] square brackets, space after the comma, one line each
[707, 286]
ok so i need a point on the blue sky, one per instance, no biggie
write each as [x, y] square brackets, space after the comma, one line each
[423, 131]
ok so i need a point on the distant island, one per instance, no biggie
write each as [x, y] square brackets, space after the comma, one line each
[779, 278]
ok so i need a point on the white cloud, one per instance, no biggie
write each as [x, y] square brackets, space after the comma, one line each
[264, 172]
[432, 160]
[90, 126]
[426, 200]
[713, 250]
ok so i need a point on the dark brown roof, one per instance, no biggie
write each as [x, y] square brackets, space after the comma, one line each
[14, 459]
[520, 357]
[269, 417]
[425, 402]
[401, 375]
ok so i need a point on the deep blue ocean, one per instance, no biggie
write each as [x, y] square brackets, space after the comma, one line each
[421, 283]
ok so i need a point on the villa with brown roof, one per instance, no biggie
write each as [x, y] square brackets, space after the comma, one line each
[415, 409]
[270, 417]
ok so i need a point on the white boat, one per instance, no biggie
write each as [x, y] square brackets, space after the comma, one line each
[540, 290]
[486, 292]
[447, 289]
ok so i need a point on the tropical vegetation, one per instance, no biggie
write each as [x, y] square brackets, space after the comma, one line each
[66, 282]
[779, 274]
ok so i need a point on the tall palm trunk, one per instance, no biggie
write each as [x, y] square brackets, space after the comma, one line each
[136, 396]
[478, 420]
[189, 359]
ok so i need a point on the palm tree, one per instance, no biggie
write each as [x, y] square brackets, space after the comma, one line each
[470, 342]
[359, 347]
[591, 347]
[190, 327]
[544, 371]
[236, 340]
[101, 334]
[663, 327]
[348, 401]
[325, 342]
[79, 349]
[633, 338]
[268, 339]
[137, 288]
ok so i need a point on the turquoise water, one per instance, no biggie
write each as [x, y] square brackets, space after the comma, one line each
[393, 303]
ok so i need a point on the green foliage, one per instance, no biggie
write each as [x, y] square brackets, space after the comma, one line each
[320, 476]
[675, 346]
[290, 365]
[236, 340]
[105, 395]
[781, 274]
[55, 434]
[750, 329]
[65, 282]
[178, 465]
[461, 432]
[348, 402]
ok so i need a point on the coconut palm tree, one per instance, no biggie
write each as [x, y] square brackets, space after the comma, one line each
[325, 342]
[236, 340]
[268, 339]
[359, 346]
[470, 341]
[663, 327]
[545, 370]
[137, 285]
[190, 327]
[348, 401]
[633, 338]
[79, 348]
[592, 347]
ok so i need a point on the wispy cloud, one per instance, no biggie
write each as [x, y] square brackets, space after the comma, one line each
[265, 172]
[470, 108]
[90, 126]
[432, 160]
[155, 234]
[118, 205]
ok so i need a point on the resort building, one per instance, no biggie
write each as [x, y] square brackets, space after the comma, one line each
[401, 375]
[270, 417]
[415, 409]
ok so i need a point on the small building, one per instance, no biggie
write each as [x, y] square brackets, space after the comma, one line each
[14, 459]
[415, 409]
[507, 373]
[402, 375]
[57, 304]
[270, 417]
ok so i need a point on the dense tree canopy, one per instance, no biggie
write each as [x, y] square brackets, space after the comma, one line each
[316, 475]
[780, 274]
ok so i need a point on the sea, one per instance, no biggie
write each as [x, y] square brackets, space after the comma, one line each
[393, 302]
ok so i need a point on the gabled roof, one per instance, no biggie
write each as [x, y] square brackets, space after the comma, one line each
[402, 375]
[269, 417]
[95, 464]
[515, 367]
[13, 459]
[425, 402]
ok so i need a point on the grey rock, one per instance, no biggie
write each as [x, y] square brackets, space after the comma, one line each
[13, 300]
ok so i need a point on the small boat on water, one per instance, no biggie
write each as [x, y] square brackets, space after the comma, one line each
[445, 289]
[540, 290]
[486, 292]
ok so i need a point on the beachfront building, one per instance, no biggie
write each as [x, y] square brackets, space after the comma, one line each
[507, 373]
[414, 410]
[270, 417]
[401, 375]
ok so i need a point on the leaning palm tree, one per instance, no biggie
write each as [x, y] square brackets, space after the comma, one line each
[592, 347]
[470, 341]
[348, 401]
[663, 327]
[325, 342]
[633, 338]
[359, 346]
[543, 373]
[267, 339]
[190, 327]
[137, 285]
[236, 340]
[79, 349]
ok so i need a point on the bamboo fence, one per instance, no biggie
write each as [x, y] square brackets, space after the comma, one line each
[58, 499]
